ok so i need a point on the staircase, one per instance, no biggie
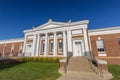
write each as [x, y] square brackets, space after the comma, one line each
[81, 68]
[79, 64]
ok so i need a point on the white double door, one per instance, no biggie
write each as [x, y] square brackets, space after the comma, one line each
[28, 51]
[77, 48]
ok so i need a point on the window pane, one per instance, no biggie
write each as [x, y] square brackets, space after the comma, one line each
[60, 46]
[100, 45]
[43, 47]
[51, 47]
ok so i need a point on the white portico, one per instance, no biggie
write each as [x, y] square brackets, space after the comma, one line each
[57, 39]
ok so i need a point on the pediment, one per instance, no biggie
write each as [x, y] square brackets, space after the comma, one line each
[49, 25]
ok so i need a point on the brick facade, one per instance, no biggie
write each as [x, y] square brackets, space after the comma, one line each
[35, 40]
[8, 48]
[111, 44]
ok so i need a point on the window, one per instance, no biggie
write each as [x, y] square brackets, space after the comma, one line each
[119, 41]
[12, 48]
[4, 48]
[43, 46]
[51, 46]
[60, 46]
[100, 45]
[20, 48]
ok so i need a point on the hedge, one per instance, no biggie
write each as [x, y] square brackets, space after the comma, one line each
[40, 59]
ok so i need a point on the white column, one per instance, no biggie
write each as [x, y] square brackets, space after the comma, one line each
[69, 41]
[55, 45]
[64, 44]
[38, 45]
[46, 45]
[86, 40]
[24, 46]
[34, 45]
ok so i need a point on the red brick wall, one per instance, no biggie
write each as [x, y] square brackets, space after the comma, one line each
[8, 48]
[111, 44]
[1, 48]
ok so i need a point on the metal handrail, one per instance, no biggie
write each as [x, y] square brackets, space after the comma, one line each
[67, 61]
[92, 59]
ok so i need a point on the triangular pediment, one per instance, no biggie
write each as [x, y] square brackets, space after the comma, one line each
[49, 25]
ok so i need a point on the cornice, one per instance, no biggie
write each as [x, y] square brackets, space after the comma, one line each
[62, 24]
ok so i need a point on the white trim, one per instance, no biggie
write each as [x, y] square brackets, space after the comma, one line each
[86, 40]
[12, 40]
[90, 43]
[55, 45]
[64, 44]
[37, 45]
[103, 31]
[102, 54]
[34, 45]
[77, 32]
[62, 25]
[46, 45]
[69, 41]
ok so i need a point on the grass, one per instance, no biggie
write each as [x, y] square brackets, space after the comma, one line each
[115, 70]
[29, 71]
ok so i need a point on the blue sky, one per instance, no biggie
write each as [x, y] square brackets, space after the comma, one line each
[19, 15]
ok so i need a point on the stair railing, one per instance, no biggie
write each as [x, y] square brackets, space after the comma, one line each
[69, 55]
[92, 59]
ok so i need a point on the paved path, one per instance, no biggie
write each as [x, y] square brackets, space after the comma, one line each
[79, 76]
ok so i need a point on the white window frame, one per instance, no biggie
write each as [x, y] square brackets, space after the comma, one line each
[51, 47]
[43, 47]
[60, 51]
[4, 49]
[100, 45]
[20, 47]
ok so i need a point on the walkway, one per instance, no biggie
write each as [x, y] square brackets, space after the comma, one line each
[80, 76]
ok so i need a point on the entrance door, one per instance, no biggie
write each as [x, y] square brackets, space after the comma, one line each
[77, 48]
[28, 50]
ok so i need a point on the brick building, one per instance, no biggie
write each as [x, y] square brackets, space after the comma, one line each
[59, 39]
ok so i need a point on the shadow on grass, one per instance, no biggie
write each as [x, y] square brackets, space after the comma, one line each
[7, 63]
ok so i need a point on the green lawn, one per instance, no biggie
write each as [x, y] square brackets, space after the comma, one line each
[29, 71]
[115, 70]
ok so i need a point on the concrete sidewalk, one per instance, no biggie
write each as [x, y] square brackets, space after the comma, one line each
[80, 76]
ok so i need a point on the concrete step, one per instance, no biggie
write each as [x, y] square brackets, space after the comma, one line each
[79, 64]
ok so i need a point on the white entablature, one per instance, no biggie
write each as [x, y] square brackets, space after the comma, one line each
[12, 40]
[58, 26]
